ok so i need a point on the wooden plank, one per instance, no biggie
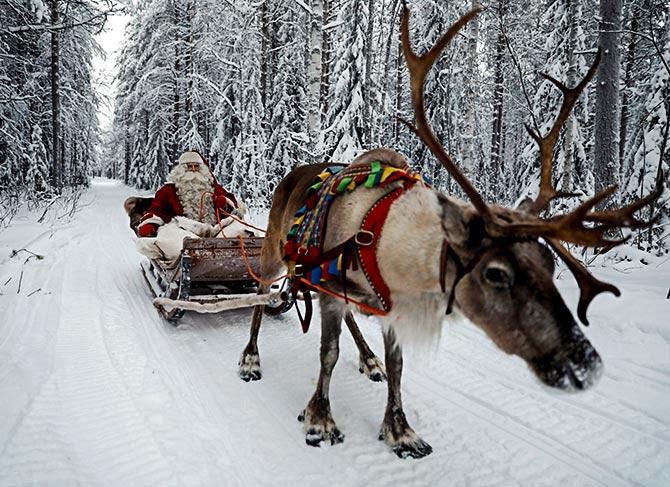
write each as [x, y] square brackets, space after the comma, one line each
[220, 259]
[221, 243]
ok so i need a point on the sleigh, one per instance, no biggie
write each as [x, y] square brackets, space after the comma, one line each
[211, 275]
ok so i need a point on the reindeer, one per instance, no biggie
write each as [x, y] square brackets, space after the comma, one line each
[436, 250]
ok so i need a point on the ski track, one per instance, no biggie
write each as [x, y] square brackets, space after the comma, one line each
[98, 390]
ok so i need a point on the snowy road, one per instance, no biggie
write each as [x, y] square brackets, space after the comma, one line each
[95, 389]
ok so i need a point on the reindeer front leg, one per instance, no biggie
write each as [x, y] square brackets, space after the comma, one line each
[395, 431]
[319, 424]
[368, 363]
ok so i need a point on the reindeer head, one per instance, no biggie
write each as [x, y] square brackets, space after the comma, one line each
[504, 283]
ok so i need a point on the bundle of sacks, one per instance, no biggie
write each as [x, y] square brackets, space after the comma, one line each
[191, 204]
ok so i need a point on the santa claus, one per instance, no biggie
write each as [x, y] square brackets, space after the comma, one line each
[191, 192]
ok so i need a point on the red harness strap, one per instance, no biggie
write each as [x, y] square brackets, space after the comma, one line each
[371, 228]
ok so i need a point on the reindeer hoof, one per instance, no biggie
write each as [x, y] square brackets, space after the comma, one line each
[406, 445]
[317, 431]
[249, 367]
[250, 376]
[373, 368]
[419, 449]
[314, 436]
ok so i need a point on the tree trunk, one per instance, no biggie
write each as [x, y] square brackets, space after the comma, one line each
[176, 102]
[568, 140]
[188, 61]
[607, 97]
[314, 74]
[367, 83]
[473, 81]
[399, 69]
[56, 156]
[265, 54]
[628, 73]
[496, 133]
[326, 52]
[127, 159]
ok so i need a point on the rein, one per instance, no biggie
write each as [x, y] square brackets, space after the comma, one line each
[461, 271]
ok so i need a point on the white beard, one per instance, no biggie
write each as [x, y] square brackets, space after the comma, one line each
[190, 189]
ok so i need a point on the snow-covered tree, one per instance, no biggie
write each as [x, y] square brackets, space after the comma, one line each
[344, 133]
[46, 91]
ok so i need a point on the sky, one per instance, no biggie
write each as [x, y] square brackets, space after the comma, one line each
[110, 40]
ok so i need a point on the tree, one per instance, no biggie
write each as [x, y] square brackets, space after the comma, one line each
[46, 49]
[607, 120]
[344, 134]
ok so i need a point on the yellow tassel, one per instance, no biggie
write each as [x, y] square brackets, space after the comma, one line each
[387, 172]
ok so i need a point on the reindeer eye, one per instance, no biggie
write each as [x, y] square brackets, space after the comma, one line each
[497, 276]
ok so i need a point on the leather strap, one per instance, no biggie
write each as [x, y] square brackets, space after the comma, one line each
[443, 265]
[372, 226]
[461, 271]
[307, 319]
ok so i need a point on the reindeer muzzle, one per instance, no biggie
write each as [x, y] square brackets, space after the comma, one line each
[576, 366]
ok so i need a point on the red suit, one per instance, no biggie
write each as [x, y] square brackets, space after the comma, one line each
[166, 205]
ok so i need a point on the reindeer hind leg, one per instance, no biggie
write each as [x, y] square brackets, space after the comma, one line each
[368, 363]
[318, 421]
[249, 365]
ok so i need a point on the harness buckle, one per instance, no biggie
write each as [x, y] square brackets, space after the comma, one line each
[364, 238]
[298, 270]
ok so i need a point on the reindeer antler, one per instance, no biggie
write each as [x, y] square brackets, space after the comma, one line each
[589, 286]
[419, 67]
[547, 143]
[570, 227]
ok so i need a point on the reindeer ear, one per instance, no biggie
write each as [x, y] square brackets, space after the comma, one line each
[462, 224]
[477, 231]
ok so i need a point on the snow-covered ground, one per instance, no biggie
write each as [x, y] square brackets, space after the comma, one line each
[96, 389]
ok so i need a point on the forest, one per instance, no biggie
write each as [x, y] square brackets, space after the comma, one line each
[260, 87]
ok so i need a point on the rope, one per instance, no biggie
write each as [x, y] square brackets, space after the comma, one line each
[241, 221]
[201, 214]
[365, 307]
[256, 277]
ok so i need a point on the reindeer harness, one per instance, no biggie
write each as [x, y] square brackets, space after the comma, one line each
[310, 266]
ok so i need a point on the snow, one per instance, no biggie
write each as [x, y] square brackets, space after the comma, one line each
[98, 390]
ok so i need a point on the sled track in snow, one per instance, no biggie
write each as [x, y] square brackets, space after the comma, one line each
[87, 426]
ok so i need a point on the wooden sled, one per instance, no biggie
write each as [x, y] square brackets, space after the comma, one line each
[211, 275]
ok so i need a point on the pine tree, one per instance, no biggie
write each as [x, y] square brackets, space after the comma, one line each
[344, 134]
